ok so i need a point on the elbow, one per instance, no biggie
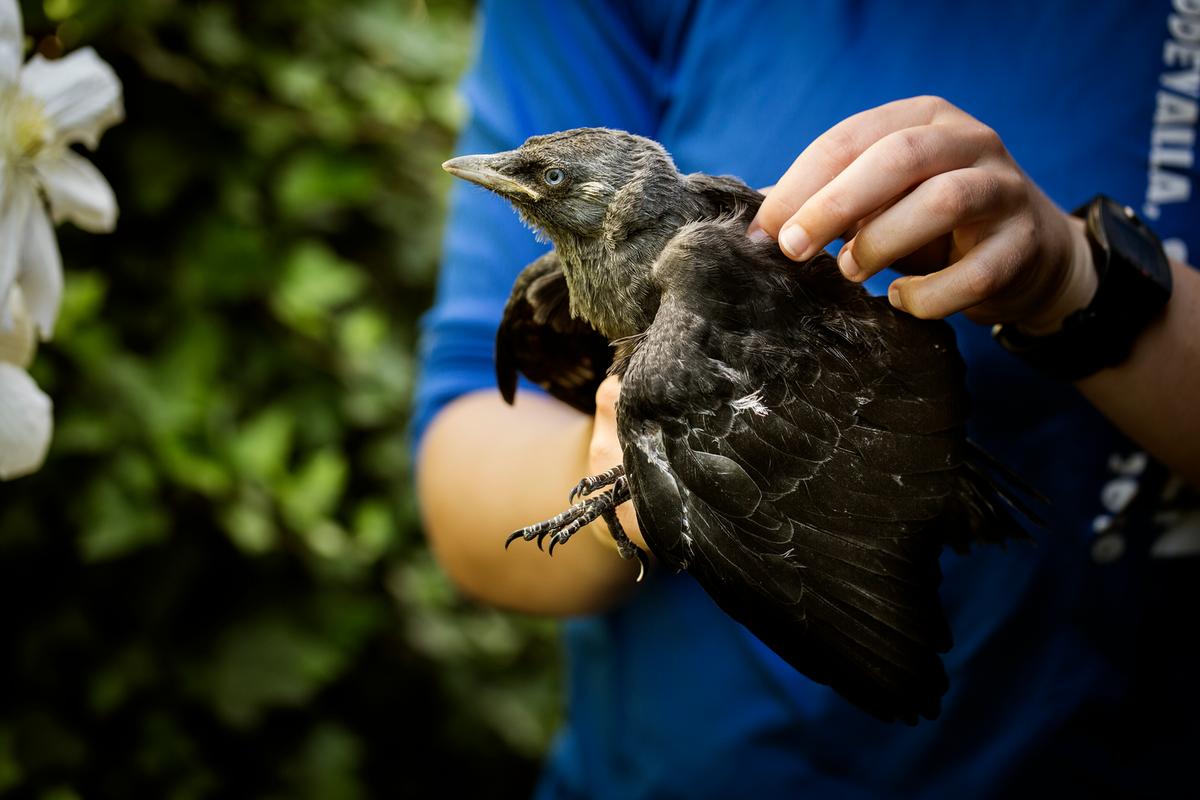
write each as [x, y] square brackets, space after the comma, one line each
[472, 574]
[530, 585]
[454, 543]
[466, 530]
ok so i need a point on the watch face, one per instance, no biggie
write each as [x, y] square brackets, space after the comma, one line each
[1131, 246]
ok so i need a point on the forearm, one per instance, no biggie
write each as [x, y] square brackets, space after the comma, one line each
[486, 469]
[1153, 395]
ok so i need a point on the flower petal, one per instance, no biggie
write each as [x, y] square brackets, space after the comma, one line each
[41, 276]
[12, 41]
[18, 345]
[14, 208]
[78, 192]
[26, 422]
[80, 93]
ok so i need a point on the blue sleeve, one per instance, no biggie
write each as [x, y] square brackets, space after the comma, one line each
[541, 66]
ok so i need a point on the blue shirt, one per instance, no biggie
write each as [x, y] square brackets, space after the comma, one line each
[1068, 671]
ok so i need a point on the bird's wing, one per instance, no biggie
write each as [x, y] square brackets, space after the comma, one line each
[798, 485]
[723, 192]
[538, 336]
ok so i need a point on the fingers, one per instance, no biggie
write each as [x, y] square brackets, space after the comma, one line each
[991, 267]
[921, 181]
[932, 210]
[887, 169]
[836, 149]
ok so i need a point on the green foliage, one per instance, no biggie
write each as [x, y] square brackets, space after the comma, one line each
[217, 587]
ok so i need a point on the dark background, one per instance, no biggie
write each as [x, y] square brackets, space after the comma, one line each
[217, 586]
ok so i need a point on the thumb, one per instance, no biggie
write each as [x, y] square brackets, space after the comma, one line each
[607, 395]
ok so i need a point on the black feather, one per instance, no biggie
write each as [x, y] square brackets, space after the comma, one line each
[796, 445]
[539, 338]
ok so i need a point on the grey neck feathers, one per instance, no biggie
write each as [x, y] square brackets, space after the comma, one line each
[608, 272]
[610, 287]
[608, 275]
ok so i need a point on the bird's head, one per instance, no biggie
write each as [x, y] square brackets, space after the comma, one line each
[609, 200]
[579, 186]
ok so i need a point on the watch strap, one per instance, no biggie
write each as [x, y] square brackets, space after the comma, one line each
[1133, 284]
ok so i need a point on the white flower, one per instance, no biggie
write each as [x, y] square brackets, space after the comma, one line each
[45, 107]
[25, 411]
[11, 38]
[19, 342]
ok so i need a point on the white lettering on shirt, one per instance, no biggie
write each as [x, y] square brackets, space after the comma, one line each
[1176, 111]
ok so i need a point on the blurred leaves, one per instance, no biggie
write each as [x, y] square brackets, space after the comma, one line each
[265, 663]
[314, 286]
[217, 586]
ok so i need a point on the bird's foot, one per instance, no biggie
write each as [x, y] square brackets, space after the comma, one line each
[562, 527]
[587, 511]
[594, 482]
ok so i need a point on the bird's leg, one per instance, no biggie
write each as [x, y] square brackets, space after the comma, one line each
[597, 507]
[562, 527]
[594, 482]
[543, 529]
[606, 505]
[625, 545]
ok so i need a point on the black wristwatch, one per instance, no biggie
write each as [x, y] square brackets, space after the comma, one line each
[1133, 286]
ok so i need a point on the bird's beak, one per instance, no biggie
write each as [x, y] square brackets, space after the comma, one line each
[482, 170]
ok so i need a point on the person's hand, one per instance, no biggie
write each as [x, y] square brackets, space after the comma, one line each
[921, 185]
[604, 453]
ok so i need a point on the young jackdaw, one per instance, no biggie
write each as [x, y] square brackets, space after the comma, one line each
[795, 444]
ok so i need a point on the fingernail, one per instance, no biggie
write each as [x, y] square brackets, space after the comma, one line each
[847, 264]
[757, 234]
[794, 241]
[894, 297]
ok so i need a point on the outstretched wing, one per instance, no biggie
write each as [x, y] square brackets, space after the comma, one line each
[786, 462]
[538, 337]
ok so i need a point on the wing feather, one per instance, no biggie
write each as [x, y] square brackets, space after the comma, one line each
[794, 490]
[539, 338]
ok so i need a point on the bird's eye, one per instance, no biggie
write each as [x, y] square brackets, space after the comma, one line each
[554, 176]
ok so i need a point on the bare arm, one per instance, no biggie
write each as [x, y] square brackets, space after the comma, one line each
[486, 469]
[1153, 396]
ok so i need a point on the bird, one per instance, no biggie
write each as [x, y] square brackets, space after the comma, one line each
[795, 444]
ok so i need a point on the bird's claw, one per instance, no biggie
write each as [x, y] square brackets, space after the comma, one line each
[584, 488]
[569, 531]
[560, 528]
[563, 526]
[593, 482]
[625, 545]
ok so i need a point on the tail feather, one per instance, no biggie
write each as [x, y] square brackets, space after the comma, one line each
[991, 497]
[984, 458]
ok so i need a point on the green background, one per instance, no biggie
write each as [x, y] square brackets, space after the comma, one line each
[217, 585]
